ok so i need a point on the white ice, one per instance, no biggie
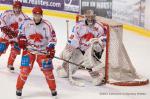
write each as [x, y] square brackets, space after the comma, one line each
[138, 48]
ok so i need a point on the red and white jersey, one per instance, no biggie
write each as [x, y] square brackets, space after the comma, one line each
[38, 36]
[9, 19]
[81, 34]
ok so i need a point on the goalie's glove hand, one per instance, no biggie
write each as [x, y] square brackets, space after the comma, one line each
[22, 41]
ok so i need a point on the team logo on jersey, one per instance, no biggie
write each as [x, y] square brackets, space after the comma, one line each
[14, 26]
[87, 36]
[36, 37]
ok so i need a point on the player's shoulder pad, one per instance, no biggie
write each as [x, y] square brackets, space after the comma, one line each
[26, 21]
[99, 24]
[46, 22]
[8, 11]
[77, 26]
[25, 15]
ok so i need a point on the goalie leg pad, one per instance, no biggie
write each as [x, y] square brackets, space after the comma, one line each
[67, 52]
[97, 78]
[61, 72]
[77, 57]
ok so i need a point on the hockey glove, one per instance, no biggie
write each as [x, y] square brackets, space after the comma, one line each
[22, 41]
[51, 50]
[11, 34]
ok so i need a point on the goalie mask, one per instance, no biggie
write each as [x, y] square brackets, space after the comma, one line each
[89, 17]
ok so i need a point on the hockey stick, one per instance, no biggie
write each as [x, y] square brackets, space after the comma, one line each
[43, 52]
[80, 66]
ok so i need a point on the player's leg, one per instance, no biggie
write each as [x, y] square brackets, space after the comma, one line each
[15, 50]
[98, 76]
[62, 71]
[26, 67]
[46, 66]
[77, 57]
[72, 56]
[3, 46]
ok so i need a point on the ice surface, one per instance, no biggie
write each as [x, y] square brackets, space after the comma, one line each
[138, 48]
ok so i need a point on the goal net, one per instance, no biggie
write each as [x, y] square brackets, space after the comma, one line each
[119, 69]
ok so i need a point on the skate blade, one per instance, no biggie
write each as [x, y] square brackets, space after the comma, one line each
[18, 97]
[11, 71]
[54, 97]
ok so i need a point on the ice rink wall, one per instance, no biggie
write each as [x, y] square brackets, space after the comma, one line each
[134, 14]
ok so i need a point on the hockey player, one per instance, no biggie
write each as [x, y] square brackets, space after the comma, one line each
[10, 21]
[38, 40]
[83, 32]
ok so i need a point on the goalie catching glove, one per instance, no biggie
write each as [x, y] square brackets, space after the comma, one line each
[11, 34]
